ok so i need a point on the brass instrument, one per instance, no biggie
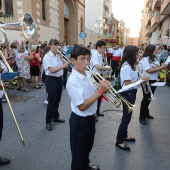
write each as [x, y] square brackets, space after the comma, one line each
[9, 104]
[147, 89]
[111, 94]
[12, 112]
[27, 25]
[166, 70]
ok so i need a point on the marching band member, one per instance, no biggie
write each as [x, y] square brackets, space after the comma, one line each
[53, 66]
[83, 105]
[147, 67]
[128, 75]
[96, 64]
[116, 56]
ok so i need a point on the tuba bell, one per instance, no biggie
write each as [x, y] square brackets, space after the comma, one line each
[27, 26]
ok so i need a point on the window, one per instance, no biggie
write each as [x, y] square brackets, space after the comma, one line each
[9, 7]
[81, 24]
[43, 9]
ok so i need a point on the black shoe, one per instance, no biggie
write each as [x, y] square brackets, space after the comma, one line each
[59, 120]
[100, 114]
[49, 127]
[4, 161]
[125, 148]
[149, 117]
[143, 121]
[93, 167]
[130, 139]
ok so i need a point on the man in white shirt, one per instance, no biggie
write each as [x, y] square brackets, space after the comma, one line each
[96, 64]
[116, 56]
[53, 66]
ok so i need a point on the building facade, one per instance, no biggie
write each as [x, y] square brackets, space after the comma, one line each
[99, 21]
[157, 22]
[134, 41]
[63, 20]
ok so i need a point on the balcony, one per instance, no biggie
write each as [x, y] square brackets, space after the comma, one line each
[156, 4]
[106, 5]
[165, 7]
[148, 23]
[155, 20]
[147, 4]
[148, 31]
[150, 8]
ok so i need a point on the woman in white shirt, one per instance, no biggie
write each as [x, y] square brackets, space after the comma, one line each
[148, 66]
[128, 75]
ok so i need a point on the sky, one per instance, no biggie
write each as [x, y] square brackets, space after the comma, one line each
[131, 13]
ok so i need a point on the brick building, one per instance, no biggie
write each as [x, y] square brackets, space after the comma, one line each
[134, 41]
[63, 20]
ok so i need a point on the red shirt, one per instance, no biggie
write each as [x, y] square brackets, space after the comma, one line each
[34, 61]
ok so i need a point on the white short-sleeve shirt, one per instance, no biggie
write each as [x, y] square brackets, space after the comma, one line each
[127, 73]
[51, 60]
[145, 65]
[96, 59]
[80, 88]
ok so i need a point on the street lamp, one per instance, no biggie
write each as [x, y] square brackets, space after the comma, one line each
[99, 25]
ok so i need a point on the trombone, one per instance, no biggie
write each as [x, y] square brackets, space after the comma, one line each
[111, 94]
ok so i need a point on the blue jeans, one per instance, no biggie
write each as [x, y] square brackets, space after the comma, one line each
[130, 96]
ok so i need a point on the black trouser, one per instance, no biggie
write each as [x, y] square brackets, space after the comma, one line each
[144, 110]
[65, 77]
[130, 96]
[82, 131]
[99, 99]
[115, 70]
[1, 119]
[54, 89]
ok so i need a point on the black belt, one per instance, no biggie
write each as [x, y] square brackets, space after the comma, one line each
[54, 77]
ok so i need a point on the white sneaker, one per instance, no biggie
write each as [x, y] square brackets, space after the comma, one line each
[46, 102]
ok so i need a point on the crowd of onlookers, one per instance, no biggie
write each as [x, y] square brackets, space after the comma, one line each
[26, 58]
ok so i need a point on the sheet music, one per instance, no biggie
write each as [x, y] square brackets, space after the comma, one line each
[158, 84]
[128, 87]
[167, 61]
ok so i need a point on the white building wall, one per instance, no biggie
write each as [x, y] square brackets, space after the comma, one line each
[94, 9]
[52, 33]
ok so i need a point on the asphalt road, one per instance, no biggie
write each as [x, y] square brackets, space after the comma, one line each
[46, 150]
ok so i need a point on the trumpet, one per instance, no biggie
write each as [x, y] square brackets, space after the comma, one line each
[162, 71]
[147, 89]
[111, 94]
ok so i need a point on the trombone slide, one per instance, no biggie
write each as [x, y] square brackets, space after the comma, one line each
[15, 121]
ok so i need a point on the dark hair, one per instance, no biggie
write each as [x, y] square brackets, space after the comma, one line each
[53, 42]
[37, 49]
[79, 50]
[13, 45]
[165, 46]
[46, 49]
[129, 55]
[100, 43]
[149, 52]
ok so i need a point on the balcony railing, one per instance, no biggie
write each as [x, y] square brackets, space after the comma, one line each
[155, 20]
[148, 31]
[147, 4]
[165, 7]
